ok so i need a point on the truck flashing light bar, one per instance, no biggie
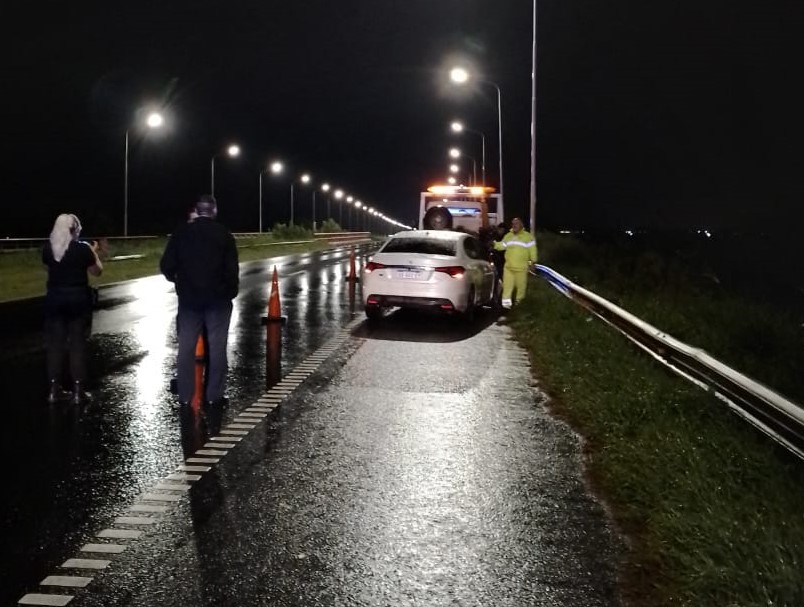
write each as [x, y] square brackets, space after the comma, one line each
[448, 190]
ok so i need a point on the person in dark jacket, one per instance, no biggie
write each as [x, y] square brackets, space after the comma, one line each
[201, 259]
[68, 304]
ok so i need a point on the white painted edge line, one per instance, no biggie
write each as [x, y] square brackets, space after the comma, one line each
[237, 426]
[218, 445]
[161, 497]
[227, 439]
[212, 452]
[120, 534]
[195, 468]
[190, 478]
[135, 520]
[54, 600]
[239, 433]
[260, 409]
[71, 581]
[171, 487]
[148, 508]
[252, 415]
[202, 460]
[85, 564]
[104, 548]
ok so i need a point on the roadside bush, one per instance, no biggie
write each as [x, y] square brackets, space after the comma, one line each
[330, 225]
[282, 231]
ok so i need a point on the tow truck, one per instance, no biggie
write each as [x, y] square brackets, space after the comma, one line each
[456, 207]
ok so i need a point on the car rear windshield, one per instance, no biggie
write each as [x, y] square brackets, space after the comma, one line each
[427, 246]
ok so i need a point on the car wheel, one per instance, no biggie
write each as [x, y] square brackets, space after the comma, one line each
[373, 312]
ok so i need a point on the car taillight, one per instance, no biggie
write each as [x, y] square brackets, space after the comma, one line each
[373, 265]
[454, 271]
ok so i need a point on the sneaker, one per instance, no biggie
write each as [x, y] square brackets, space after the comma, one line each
[507, 304]
[55, 393]
[79, 394]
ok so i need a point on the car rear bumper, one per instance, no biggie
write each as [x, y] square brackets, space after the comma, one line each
[404, 301]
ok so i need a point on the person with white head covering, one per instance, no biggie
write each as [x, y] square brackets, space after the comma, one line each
[68, 304]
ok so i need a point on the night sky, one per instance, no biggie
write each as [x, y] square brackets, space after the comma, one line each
[677, 114]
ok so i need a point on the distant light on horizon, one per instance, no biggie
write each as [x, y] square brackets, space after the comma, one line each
[305, 178]
[325, 187]
[233, 151]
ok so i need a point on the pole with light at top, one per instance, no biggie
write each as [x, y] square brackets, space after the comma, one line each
[154, 120]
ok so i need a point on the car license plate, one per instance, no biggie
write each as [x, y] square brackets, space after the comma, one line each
[410, 274]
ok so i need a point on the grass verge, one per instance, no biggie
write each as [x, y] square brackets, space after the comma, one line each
[713, 510]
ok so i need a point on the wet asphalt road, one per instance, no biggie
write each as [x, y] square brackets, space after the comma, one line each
[413, 465]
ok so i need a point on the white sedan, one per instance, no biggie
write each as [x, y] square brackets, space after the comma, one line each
[435, 269]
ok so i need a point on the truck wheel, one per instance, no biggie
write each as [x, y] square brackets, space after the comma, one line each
[437, 218]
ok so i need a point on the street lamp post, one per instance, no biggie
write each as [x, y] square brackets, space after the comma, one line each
[153, 121]
[338, 197]
[233, 151]
[260, 203]
[325, 188]
[461, 76]
[458, 127]
[533, 132]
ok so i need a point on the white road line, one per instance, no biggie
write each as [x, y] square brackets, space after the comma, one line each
[241, 426]
[252, 415]
[161, 497]
[71, 581]
[195, 468]
[184, 477]
[225, 439]
[210, 452]
[148, 508]
[173, 486]
[120, 534]
[85, 564]
[202, 460]
[103, 548]
[135, 520]
[54, 600]
[239, 433]
[219, 445]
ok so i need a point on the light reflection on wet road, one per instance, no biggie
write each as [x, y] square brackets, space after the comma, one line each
[73, 468]
[415, 466]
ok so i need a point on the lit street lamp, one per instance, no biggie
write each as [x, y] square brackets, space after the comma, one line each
[459, 127]
[154, 120]
[460, 76]
[338, 195]
[456, 153]
[325, 188]
[233, 151]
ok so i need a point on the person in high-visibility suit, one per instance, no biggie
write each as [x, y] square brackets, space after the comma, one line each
[520, 253]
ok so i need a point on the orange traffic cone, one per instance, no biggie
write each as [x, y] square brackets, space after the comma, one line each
[274, 307]
[198, 390]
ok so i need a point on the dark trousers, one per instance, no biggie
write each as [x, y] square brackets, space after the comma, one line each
[67, 327]
[191, 321]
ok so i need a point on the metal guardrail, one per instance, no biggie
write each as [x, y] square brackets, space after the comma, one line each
[776, 416]
[29, 244]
